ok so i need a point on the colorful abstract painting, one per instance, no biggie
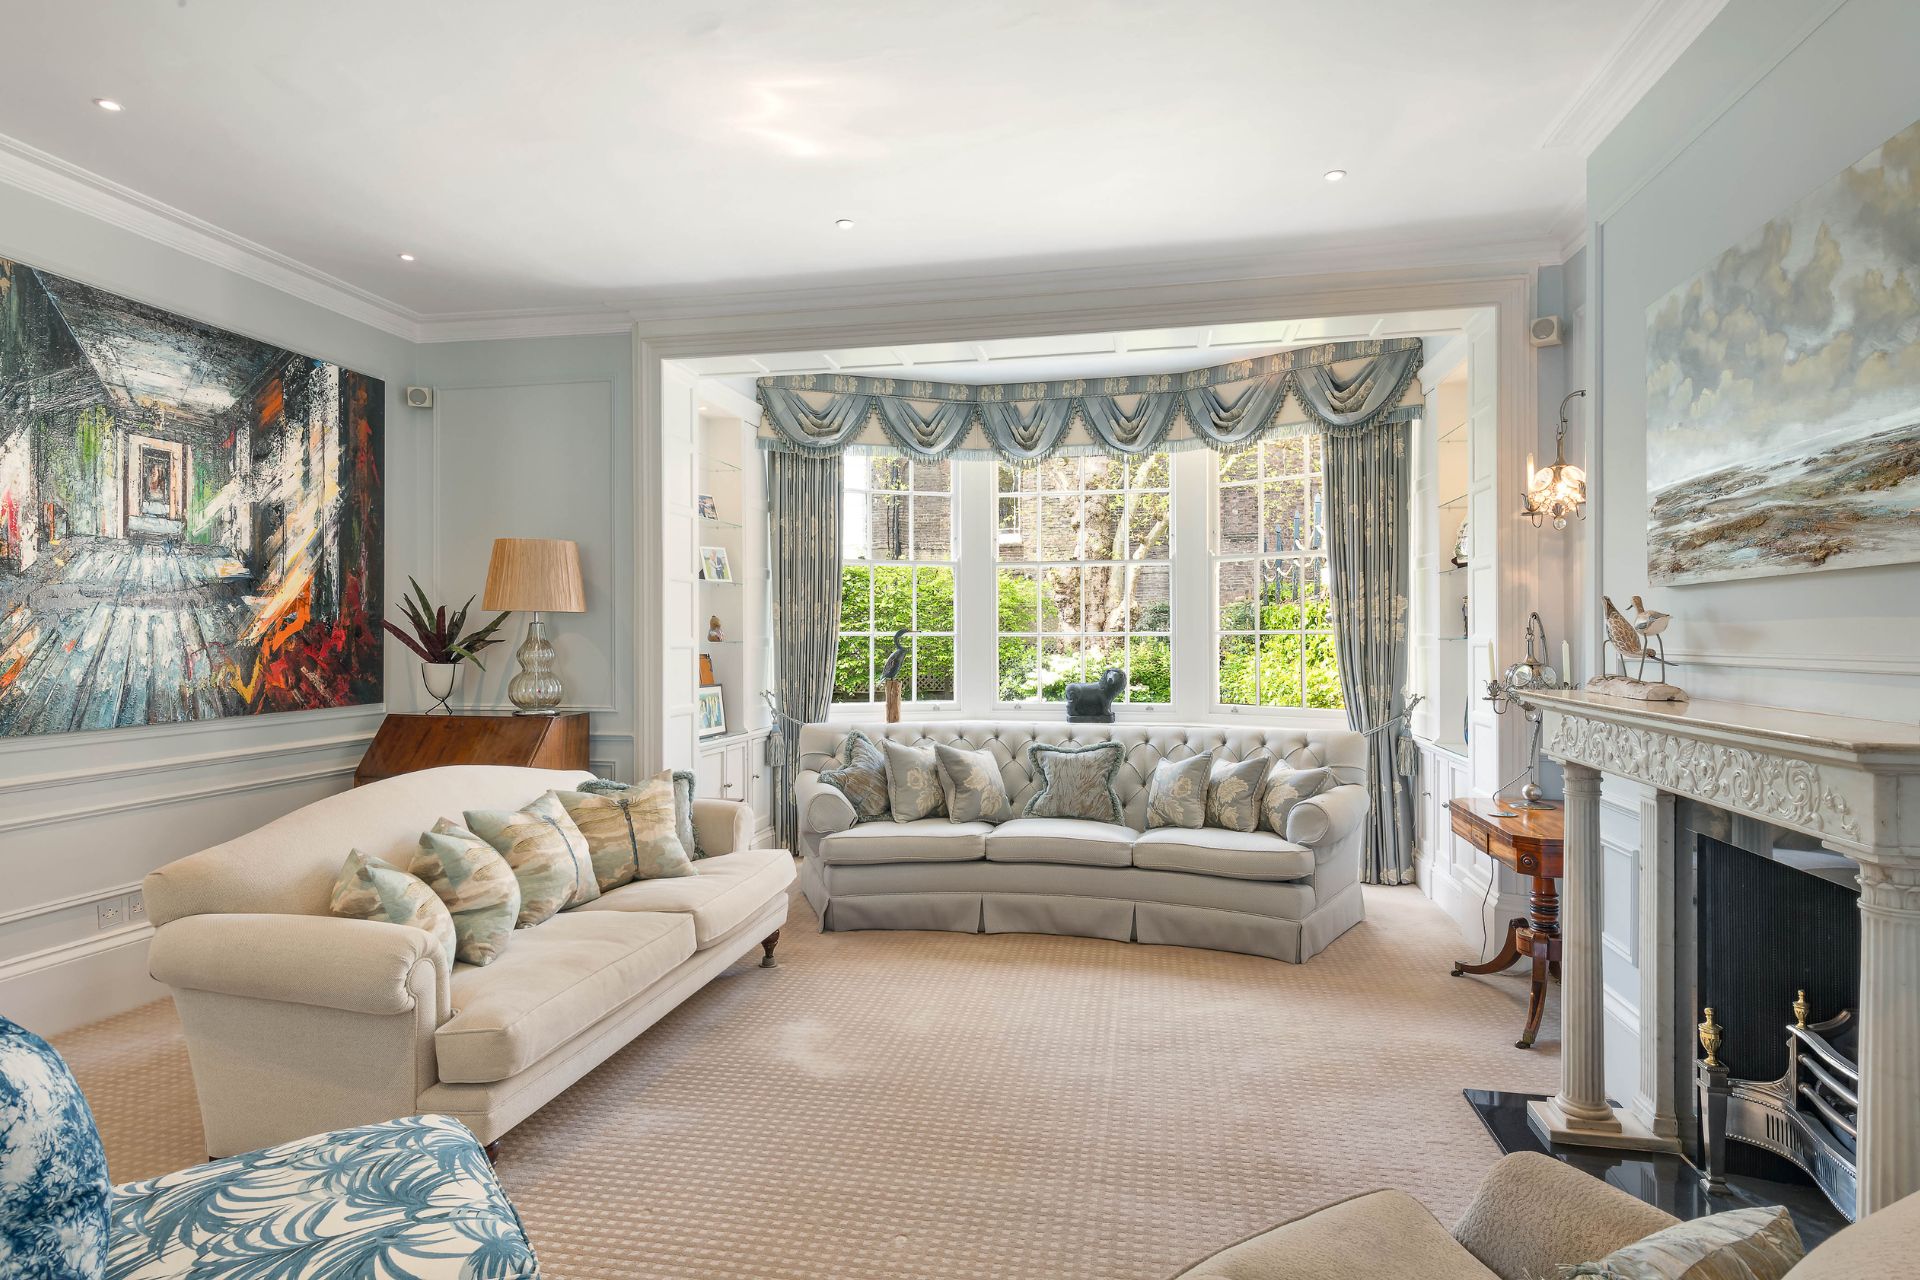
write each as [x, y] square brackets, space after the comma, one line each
[1783, 389]
[190, 520]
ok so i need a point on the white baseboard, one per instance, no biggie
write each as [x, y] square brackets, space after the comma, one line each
[75, 983]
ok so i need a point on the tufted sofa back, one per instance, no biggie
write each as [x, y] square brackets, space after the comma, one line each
[1144, 745]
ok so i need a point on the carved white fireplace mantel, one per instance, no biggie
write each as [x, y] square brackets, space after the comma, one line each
[1854, 785]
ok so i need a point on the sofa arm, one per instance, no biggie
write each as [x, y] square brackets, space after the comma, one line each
[1323, 821]
[1533, 1214]
[357, 966]
[722, 826]
[823, 807]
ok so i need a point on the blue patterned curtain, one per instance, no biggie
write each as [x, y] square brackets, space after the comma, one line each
[1330, 389]
[803, 536]
[1368, 481]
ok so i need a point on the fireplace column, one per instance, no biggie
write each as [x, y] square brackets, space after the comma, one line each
[1889, 1115]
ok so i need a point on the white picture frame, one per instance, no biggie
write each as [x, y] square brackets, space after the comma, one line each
[714, 565]
[710, 711]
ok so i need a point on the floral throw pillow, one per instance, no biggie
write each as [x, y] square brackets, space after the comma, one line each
[547, 853]
[1741, 1244]
[1233, 793]
[53, 1173]
[630, 833]
[913, 782]
[1075, 782]
[477, 886]
[369, 889]
[862, 777]
[1177, 792]
[1287, 788]
[975, 790]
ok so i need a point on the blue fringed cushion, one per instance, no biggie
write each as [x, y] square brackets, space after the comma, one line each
[53, 1174]
[411, 1199]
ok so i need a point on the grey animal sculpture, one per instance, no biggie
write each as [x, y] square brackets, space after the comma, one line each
[1093, 703]
[890, 669]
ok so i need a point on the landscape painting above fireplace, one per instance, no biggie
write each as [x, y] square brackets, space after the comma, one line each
[1783, 388]
[190, 520]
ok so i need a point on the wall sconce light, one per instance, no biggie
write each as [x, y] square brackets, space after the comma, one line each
[1557, 492]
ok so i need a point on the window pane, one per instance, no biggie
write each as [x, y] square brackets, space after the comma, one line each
[892, 598]
[934, 477]
[1323, 673]
[1019, 600]
[935, 605]
[1237, 687]
[1155, 472]
[933, 667]
[1236, 595]
[1239, 519]
[932, 528]
[1104, 528]
[851, 678]
[1058, 474]
[889, 471]
[1019, 661]
[1284, 519]
[887, 526]
[1150, 669]
[1060, 600]
[1315, 594]
[855, 614]
[1060, 528]
[1279, 595]
[1103, 472]
[1060, 666]
[1150, 526]
[1280, 671]
[1149, 604]
[1244, 465]
[1018, 526]
[1286, 457]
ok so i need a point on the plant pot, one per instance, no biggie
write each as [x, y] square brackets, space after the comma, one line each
[441, 680]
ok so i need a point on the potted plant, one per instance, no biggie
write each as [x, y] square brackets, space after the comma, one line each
[439, 640]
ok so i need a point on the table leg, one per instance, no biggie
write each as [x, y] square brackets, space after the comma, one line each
[1536, 1002]
[1509, 955]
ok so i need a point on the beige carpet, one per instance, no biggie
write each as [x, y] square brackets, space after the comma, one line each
[945, 1105]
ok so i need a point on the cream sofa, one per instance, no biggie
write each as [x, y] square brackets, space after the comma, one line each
[1256, 892]
[299, 1022]
[1531, 1216]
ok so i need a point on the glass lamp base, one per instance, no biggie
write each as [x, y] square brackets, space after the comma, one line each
[536, 690]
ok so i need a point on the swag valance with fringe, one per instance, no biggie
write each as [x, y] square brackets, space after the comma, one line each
[1339, 388]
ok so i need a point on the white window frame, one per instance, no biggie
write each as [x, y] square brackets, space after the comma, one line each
[878, 646]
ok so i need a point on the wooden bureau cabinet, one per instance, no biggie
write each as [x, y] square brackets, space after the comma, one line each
[408, 743]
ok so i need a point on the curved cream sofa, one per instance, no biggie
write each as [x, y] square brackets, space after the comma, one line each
[1255, 892]
[299, 1021]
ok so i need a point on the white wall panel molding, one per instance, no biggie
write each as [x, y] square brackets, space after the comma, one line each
[68, 952]
[68, 903]
[333, 769]
[1872, 664]
[357, 742]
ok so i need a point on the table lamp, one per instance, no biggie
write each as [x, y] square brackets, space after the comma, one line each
[535, 575]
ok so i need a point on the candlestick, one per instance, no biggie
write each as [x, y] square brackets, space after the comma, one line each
[1566, 663]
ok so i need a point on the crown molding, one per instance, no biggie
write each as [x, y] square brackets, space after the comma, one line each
[68, 185]
[1651, 45]
[1570, 225]
[558, 322]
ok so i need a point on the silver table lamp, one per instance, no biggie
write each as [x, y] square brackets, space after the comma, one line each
[535, 575]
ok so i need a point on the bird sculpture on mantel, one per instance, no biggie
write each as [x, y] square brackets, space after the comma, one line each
[1651, 623]
[1626, 641]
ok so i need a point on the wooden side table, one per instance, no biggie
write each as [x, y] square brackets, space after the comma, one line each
[408, 743]
[1531, 842]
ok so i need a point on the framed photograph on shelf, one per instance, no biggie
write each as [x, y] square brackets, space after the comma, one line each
[714, 565]
[706, 671]
[708, 510]
[710, 712]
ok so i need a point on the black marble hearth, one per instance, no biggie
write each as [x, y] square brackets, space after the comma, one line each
[1665, 1181]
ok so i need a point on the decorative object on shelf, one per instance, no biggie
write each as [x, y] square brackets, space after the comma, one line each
[706, 670]
[1558, 492]
[442, 641]
[1711, 1038]
[1460, 545]
[710, 711]
[716, 634]
[1628, 640]
[708, 509]
[1092, 703]
[1529, 674]
[1818, 437]
[890, 674]
[714, 565]
[192, 518]
[1466, 616]
[536, 576]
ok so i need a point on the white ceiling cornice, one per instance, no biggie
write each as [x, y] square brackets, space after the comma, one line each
[1655, 41]
[68, 185]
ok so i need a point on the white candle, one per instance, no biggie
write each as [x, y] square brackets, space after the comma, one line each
[1566, 662]
[1488, 651]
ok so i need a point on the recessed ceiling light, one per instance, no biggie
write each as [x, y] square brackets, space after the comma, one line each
[845, 224]
[406, 257]
[107, 104]
[1334, 175]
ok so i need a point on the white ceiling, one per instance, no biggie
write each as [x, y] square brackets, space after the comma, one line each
[598, 153]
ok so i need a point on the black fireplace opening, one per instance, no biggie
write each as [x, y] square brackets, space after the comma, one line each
[1765, 930]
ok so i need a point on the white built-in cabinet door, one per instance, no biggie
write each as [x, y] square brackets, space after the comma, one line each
[725, 770]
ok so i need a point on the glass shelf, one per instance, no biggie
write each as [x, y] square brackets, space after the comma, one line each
[1454, 433]
[1454, 503]
[713, 523]
[1453, 569]
[717, 466]
[719, 582]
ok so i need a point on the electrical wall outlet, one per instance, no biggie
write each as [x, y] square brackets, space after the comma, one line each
[112, 913]
[137, 907]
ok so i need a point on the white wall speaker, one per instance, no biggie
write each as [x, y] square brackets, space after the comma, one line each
[1546, 332]
[422, 397]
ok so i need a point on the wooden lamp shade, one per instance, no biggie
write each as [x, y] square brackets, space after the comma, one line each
[535, 575]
